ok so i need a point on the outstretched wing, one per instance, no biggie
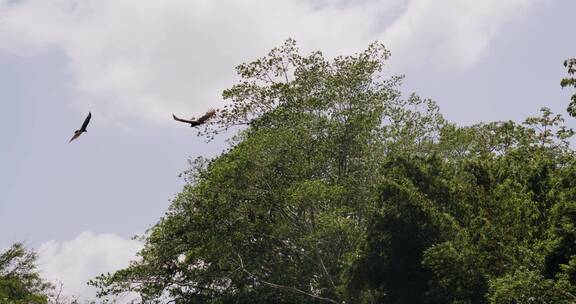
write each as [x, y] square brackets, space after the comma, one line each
[86, 121]
[206, 116]
[198, 121]
[182, 120]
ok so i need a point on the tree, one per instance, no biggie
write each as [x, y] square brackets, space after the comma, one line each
[19, 279]
[456, 226]
[280, 215]
[407, 222]
[338, 190]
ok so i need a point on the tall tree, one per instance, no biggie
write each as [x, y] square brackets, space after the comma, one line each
[280, 215]
[339, 190]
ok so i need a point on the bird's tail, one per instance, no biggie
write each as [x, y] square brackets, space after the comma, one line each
[76, 135]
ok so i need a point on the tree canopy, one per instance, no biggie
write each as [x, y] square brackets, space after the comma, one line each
[340, 190]
[20, 282]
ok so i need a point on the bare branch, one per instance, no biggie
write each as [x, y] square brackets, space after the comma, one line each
[321, 262]
[283, 287]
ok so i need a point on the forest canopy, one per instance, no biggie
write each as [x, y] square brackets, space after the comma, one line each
[340, 190]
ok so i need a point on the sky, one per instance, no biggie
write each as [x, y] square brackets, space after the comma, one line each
[133, 63]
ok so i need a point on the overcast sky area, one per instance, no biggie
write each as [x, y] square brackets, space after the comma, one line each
[133, 63]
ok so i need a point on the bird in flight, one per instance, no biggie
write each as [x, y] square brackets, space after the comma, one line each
[82, 129]
[196, 122]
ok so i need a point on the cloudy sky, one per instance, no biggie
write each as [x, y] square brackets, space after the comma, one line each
[132, 63]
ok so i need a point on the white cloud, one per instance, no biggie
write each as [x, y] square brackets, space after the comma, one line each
[147, 59]
[75, 262]
[449, 33]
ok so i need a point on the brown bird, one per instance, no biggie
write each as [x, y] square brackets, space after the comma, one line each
[82, 129]
[199, 121]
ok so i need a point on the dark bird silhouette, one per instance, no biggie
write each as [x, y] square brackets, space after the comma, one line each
[199, 121]
[82, 129]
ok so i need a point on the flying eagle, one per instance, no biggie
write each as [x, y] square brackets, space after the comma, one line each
[199, 121]
[82, 129]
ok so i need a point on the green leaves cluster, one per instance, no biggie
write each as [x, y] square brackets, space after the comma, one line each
[339, 190]
[20, 282]
[570, 65]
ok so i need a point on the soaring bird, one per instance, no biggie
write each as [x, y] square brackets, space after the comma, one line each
[82, 129]
[199, 121]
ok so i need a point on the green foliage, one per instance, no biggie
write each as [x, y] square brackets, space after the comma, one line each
[20, 282]
[339, 190]
[526, 286]
[407, 221]
[570, 65]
